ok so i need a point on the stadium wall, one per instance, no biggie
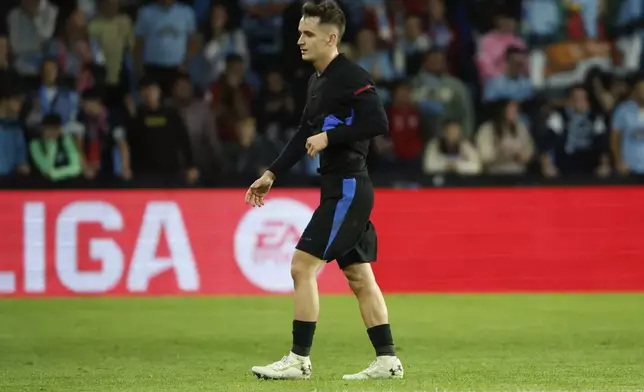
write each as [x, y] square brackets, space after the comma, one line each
[207, 242]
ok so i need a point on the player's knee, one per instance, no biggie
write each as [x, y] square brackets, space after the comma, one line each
[304, 266]
[359, 277]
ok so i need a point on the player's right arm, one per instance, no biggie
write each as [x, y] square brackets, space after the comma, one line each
[295, 148]
[290, 155]
[293, 151]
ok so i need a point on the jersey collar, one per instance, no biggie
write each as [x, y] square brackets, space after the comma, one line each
[332, 65]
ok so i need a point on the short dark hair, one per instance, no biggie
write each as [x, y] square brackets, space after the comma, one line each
[91, 94]
[513, 50]
[575, 87]
[234, 58]
[329, 13]
[448, 122]
[148, 81]
[52, 120]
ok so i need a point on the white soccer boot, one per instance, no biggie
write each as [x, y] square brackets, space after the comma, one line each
[291, 367]
[382, 368]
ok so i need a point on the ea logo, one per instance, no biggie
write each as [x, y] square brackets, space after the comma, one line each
[265, 241]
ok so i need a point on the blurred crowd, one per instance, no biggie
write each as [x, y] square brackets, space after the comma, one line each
[197, 89]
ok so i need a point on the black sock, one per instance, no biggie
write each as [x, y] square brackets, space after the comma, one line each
[302, 337]
[382, 341]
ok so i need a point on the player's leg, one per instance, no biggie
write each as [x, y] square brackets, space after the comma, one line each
[374, 314]
[297, 364]
[307, 261]
[306, 303]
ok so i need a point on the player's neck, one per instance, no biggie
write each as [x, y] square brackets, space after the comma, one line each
[320, 65]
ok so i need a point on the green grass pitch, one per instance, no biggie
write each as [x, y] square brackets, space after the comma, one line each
[446, 342]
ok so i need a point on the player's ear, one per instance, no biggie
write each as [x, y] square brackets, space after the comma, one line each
[333, 39]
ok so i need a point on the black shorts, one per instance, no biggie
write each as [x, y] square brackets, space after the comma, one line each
[340, 228]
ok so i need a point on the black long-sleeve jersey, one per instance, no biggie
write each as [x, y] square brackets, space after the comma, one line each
[341, 101]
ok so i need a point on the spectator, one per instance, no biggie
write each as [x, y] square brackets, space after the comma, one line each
[451, 153]
[514, 84]
[114, 33]
[232, 97]
[54, 154]
[504, 143]
[249, 154]
[13, 147]
[221, 41]
[202, 130]
[405, 136]
[576, 141]
[52, 97]
[79, 57]
[101, 142]
[606, 91]
[411, 47]
[627, 138]
[31, 26]
[375, 15]
[377, 62]
[166, 41]
[438, 29]
[542, 21]
[8, 74]
[493, 46]
[158, 139]
[276, 108]
[262, 24]
[440, 96]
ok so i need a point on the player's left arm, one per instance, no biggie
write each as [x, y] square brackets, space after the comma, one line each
[368, 118]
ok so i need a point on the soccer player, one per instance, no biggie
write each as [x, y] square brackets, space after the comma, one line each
[342, 113]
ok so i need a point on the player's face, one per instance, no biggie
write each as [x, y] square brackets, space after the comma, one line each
[515, 63]
[246, 133]
[183, 89]
[316, 40]
[14, 104]
[413, 27]
[639, 91]
[453, 134]
[435, 63]
[49, 72]
[219, 16]
[506, 24]
[512, 112]
[151, 95]
[366, 41]
[579, 100]
[110, 7]
[51, 132]
[92, 107]
[436, 9]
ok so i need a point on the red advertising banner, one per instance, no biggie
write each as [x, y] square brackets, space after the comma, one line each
[208, 242]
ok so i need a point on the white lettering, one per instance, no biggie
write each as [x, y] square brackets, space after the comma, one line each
[34, 226]
[160, 216]
[7, 282]
[103, 249]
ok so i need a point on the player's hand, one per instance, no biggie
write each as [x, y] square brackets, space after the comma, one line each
[23, 169]
[316, 143]
[126, 173]
[192, 175]
[623, 169]
[603, 170]
[259, 189]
